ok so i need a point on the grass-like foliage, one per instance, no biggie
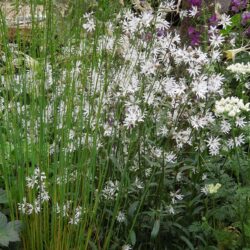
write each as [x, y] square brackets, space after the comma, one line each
[124, 125]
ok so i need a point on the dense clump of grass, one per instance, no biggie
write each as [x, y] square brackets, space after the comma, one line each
[30, 140]
[114, 135]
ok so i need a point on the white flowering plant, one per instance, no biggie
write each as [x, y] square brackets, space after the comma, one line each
[126, 135]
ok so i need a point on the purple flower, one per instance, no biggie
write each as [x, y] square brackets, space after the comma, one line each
[195, 2]
[161, 32]
[194, 35]
[238, 5]
[213, 19]
[147, 36]
[191, 30]
[247, 32]
[245, 17]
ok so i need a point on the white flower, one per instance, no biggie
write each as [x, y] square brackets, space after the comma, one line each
[182, 137]
[200, 86]
[230, 143]
[176, 196]
[194, 69]
[148, 172]
[170, 157]
[166, 6]
[211, 188]
[239, 140]
[126, 247]
[215, 55]
[134, 115]
[213, 145]
[146, 18]
[130, 26]
[148, 67]
[204, 177]
[247, 85]
[107, 130]
[163, 131]
[240, 122]
[110, 190]
[213, 30]
[138, 184]
[216, 40]
[170, 209]
[240, 68]
[77, 216]
[37, 206]
[161, 23]
[230, 106]
[89, 26]
[225, 21]
[225, 126]
[121, 217]
[25, 207]
[183, 13]
[193, 11]
[179, 176]
[198, 122]
[31, 181]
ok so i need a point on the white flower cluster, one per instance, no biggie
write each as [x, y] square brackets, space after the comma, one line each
[89, 25]
[74, 214]
[110, 190]
[239, 68]
[126, 247]
[231, 106]
[213, 145]
[176, 196]
[211, 188]
[37, 182]
[67, 177]
[121, 217]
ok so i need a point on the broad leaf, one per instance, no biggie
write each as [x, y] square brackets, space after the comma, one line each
[3, 221]
[3, 196]
[12, 234]
[4, 239]
[15, 225]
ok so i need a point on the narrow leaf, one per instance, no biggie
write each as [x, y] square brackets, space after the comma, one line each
[132, 237]
[155, 229]
[133, 208]
[189, 244]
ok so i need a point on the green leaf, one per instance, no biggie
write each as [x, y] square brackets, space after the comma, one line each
[93, 245]
[186, 240]
[132, 237]
[4, 239]
[8, 231]
[16, 225]
[247, 228]
[155, 229]
[12, 234]
[133, 208]
[236, 19]
[3, 196]
[3, 221]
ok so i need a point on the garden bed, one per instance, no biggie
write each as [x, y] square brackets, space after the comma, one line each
[125, 125]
